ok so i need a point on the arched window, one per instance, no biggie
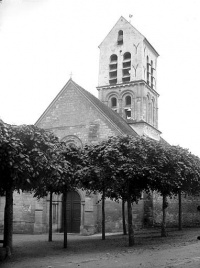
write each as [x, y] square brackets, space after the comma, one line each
[113, 69]
[128, 107]
[150, 112]
[148, 109]
[126, 71]
[120, 37]
[72, 140]
[113, 102]
[128, 100]
[145, 108]
[153, 113]
[150, 73]
[152, 76]
[127, 56]
[113, 58]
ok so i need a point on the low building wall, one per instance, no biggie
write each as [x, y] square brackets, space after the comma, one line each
[190, 213]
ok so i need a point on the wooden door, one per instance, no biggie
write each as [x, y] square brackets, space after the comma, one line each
[73, 212]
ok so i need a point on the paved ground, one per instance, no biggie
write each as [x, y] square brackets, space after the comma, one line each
[178, 250]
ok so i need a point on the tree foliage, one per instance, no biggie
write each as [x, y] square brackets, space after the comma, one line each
[62, 175]
[176, 170]
[116, 169]
[123, 167]
[28, 156]
[98, 172]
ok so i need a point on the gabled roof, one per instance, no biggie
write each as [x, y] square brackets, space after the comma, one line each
[116, 24]
[115, 119]
[142, 36]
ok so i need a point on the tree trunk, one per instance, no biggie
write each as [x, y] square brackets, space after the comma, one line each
[50, 217]
[103, 215]
[123, 217]
[65, 218]
[164, 206]
[179, 211]
[8, 221]
[130, 222]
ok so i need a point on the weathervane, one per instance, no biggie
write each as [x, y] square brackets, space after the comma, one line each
[71, 75]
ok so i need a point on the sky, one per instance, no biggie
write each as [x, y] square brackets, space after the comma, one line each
[43, 41]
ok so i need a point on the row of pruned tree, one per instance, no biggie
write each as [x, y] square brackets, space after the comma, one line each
[32, 159]
[125, 167]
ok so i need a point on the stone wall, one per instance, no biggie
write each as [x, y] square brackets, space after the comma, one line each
[190, 213]
[29, 214]
[113, 216]
[72, 114]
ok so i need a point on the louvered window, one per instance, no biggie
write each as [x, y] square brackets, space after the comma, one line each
[113, 69]
[120, 37]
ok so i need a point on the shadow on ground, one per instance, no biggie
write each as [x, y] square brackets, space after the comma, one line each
[28, 248]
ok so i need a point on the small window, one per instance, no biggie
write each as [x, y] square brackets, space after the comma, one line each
[128, 113]
[113, 102]
[120, 37]
[128, 100]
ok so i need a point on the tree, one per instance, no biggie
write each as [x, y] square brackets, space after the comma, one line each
[48, 184]
[123, 217]
[117, 170]
[188, 173]
[14, 166]
[61, 176]
[97, 173]
[134, 165]
[71, 178]
[174, 170]
[131, 173]
[23, 162]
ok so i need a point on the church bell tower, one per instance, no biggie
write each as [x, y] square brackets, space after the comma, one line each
[127, 78]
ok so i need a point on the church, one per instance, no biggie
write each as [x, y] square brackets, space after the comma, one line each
[127, 104]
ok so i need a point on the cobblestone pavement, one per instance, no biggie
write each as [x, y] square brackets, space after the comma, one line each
[178, 250]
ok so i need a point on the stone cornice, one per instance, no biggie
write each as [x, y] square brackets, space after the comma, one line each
[132, 83]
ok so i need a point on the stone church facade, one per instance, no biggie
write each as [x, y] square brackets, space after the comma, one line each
[127, 104]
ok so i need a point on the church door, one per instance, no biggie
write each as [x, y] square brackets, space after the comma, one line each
[73, 212]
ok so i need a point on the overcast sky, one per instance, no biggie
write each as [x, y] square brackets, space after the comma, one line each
[43, 41]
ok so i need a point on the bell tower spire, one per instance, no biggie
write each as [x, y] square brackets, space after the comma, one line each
[127, 77]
